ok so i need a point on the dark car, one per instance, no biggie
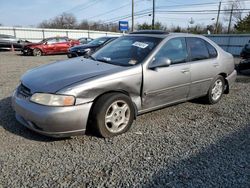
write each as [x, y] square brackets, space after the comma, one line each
[244, 65]
[245, 52]
[85, 40]
[9, 41]
[245, 55]
[54, 45]
[88, 49]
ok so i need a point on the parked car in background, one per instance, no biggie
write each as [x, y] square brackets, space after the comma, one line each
[9, 41]
[53, 45]
[245, 52]
[245, 55]
[85, 40]
[132, 75]
[88, 49]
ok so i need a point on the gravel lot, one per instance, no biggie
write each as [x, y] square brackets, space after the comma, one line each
[187, 145]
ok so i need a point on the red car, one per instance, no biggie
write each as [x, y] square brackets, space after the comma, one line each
[54, 45]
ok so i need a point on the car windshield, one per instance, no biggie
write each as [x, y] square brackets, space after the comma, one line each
[43, 41]
[98, 41]
[127, 50]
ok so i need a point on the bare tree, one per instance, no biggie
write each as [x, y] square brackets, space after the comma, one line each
[237, 6]
[63, 21]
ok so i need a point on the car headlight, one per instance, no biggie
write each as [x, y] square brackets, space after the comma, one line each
[52, 100]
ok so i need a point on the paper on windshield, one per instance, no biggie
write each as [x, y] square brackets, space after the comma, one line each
[140, 44]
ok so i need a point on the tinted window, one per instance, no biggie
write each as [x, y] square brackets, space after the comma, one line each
[211, 50]
[99, 41]
[198, 49]
[175, 49]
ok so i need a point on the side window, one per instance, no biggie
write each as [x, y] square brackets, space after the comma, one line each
[211, 50]
[198, 49]
[62, 40]
[175, 49]
[51, 41]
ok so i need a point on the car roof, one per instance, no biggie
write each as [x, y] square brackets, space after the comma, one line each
[160, 34]
[56, 38]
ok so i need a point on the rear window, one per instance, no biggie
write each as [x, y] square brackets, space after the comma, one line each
[211, 50]
[198, 49]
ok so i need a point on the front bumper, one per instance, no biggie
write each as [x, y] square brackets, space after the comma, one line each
[72, 54]
[231, 78]
[51, 121]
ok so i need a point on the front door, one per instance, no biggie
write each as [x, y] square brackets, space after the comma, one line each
[62, 46]
[166, 85]
[50, 46]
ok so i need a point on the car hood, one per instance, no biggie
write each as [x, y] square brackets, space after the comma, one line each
[33, 44]
[55, 76]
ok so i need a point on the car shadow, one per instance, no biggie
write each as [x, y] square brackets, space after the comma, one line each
[222, 164]
[10, 124]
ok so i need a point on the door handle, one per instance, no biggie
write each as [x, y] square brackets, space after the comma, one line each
[185, 70]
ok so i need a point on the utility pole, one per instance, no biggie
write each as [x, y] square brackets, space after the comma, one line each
[218, 17]
[132, 28]
[153, 16]
[230, 19]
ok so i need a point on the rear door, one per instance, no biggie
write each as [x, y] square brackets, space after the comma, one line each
[166, 85]
[204, 65]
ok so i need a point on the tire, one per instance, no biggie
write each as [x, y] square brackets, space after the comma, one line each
[216, 90]
[37, 52]
[112, 115]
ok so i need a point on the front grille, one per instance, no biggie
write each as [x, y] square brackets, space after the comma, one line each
[23, 91]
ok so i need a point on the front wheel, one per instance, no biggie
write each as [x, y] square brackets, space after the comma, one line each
[216, 90]
[37, 52]
[113, 114]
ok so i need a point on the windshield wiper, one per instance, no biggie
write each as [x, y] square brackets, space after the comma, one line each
[91, 57]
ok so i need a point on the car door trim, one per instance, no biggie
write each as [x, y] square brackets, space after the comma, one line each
[159, 91]
[203, 80]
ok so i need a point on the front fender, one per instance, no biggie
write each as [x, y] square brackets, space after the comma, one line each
[129, 82]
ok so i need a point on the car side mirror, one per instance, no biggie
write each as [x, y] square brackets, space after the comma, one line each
[160, 62]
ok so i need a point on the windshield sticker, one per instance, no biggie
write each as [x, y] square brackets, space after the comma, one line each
[140, 44]
[132, 62]
[107, 58]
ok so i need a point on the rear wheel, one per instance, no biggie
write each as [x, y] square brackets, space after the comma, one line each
[216, 90]
[112, 115]
[37, 52]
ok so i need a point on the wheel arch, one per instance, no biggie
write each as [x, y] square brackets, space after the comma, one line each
[108, 92]
[226, 89]
[118, 91]
[39, 48]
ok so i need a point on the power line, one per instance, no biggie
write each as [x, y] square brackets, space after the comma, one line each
[114, 10]
[108, 12]
[171, 6]
[145, 12]
[83, 6]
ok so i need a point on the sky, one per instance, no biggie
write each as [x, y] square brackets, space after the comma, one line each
[29, 13]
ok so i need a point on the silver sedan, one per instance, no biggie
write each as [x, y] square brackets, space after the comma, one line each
[134, 74]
